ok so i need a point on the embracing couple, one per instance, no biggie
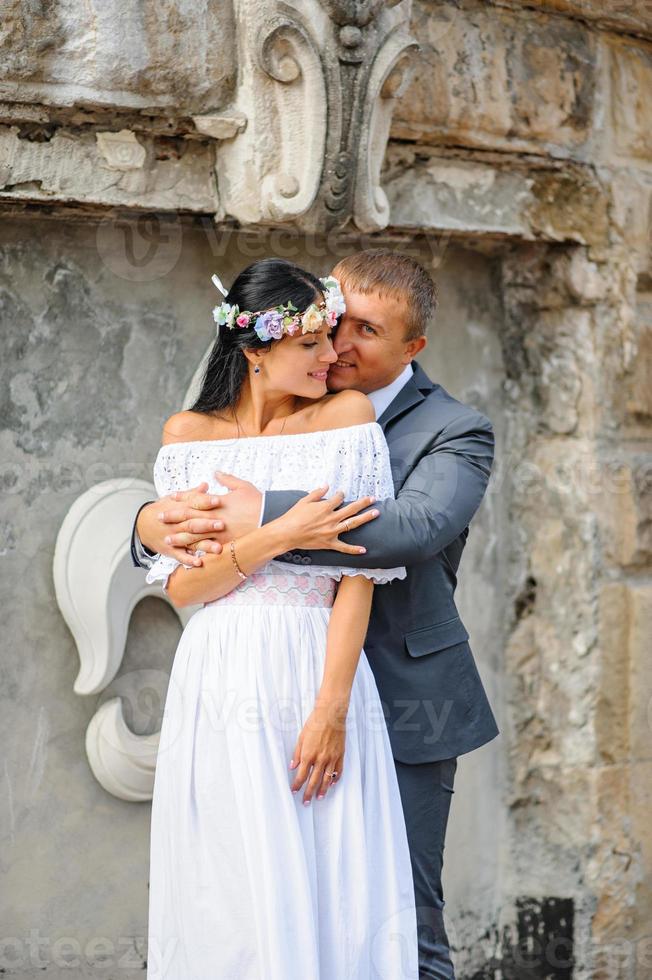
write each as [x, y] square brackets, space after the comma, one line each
[313, 722]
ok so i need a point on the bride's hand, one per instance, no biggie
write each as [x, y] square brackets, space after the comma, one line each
[320, 747]
[313, 523]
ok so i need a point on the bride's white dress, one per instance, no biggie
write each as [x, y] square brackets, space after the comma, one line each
[247, 883]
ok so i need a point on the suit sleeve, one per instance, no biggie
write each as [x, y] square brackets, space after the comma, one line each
[432, 508]
[141, 556]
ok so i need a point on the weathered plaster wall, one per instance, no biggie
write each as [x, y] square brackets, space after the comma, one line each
[464, 354]
[90, 364]
[103, 324]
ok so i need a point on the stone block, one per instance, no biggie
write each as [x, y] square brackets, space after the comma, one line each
[549, 658]
[631, 214]
[638, 384]
[584, 279]
[612, 872]
[121, 151]
[624, 504]
[640, 810]
[141, 173]
[552, 71]
[119, 54]
[460, 196]
[621, 870]
[640, 673]
[560, 354]
[496, 77]
[631, 108]
[570, 206]
[628, 16]
[461, 86]
[612, 702]
[426, 190]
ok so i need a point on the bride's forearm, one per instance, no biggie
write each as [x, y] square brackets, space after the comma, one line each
[347, 628]
[218, 575]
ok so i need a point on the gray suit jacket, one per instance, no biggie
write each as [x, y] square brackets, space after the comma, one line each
[417, 646]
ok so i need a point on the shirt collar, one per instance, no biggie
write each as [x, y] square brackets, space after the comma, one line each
[385, 396]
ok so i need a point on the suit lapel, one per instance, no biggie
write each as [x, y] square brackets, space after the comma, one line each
[410, 394]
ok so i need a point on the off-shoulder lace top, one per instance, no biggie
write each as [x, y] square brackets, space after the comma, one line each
[353, 459]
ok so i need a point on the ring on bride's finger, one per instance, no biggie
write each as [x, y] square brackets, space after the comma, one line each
[346, 524]
[199, 552]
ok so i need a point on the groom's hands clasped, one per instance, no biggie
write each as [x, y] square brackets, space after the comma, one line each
[191, 520]
[170, 525]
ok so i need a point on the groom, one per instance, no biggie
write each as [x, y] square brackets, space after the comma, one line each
[441, 452]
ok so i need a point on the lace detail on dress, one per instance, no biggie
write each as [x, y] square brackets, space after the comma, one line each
[378, 575]
[353, 459]
[161, 570]
[281, 589]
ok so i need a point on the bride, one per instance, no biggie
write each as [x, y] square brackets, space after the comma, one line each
[278, 844]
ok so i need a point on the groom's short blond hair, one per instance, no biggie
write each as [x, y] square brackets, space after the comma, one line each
[390, 273]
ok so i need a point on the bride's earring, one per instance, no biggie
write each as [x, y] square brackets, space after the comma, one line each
[256, 370]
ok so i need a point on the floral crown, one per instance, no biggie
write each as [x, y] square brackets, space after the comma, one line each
[273, 324]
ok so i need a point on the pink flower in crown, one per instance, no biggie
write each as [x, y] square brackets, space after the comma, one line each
[292, 326]
[242, 320]
[331, 318]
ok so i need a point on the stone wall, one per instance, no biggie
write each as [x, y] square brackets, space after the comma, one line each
[531, 128]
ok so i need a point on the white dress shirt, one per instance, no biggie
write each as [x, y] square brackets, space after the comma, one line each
[383, 397]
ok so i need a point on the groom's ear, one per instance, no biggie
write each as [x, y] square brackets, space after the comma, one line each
[415, 346]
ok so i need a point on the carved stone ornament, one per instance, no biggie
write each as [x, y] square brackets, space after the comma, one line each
[316, 83]
[97, 588]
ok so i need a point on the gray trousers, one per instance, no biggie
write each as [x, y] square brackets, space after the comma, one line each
[426, 792]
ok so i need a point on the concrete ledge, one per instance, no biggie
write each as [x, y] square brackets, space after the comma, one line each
[125, 170]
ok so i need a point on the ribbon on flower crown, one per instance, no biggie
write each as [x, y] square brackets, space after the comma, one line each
[285, 319]
[217, 282]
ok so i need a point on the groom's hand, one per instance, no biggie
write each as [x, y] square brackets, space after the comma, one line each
[239, 511]
[170, 525]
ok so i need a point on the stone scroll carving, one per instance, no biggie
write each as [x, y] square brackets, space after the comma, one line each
[97, 589]
[316, 84]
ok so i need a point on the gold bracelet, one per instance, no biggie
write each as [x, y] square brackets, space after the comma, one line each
[235, 561]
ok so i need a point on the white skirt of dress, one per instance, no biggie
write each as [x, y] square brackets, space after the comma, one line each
[247, 883]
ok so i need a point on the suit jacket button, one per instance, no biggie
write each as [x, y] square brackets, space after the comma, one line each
[305, 560]
[296, 559]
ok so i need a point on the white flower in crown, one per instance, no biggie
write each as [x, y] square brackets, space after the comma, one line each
[312, 319]
[225, 314]
[334, 298]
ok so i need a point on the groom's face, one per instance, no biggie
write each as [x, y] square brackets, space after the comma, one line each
[369, 341]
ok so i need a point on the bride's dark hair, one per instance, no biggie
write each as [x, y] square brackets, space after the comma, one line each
[261, 286]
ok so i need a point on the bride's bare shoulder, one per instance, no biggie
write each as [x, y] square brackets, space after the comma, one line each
[344, 408]
[186, 427]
